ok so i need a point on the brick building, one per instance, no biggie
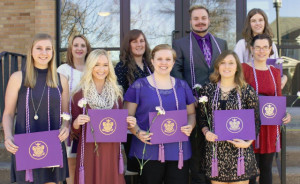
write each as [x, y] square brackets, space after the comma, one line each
[21, 20]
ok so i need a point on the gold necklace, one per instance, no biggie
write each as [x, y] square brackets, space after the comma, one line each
[36, 117]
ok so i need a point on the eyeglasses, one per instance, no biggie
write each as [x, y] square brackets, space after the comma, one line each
[257, 49]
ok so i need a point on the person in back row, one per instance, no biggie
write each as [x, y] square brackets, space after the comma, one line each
[196, 55]
[134, 64]
[256, 23]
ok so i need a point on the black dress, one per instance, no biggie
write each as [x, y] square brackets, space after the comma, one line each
[227, 153]
[121, 72]
[41, 175]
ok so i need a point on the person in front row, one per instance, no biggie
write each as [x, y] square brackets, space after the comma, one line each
[228, 91]
[266, 81]
[45, 94]
[99, 87]
[169, 93]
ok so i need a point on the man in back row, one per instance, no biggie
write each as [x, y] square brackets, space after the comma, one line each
[196, 54]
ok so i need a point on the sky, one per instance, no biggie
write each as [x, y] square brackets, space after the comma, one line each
[290, 8]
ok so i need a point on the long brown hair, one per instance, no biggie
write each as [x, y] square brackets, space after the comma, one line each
[70, 45]
[126, 55]
[31, 74]
[247, 31]
[215, 77]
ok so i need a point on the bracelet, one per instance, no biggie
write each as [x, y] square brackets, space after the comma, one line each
[137, 133]
[205, 132]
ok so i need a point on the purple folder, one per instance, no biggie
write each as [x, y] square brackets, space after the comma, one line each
[273, 62]
[109, 125]
[166, 128]
[234, 124]
[38, 150]
[272, 109]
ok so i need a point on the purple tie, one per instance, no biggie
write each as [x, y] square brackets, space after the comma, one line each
[206, 52]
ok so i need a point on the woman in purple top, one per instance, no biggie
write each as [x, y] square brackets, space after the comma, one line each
[142, 97]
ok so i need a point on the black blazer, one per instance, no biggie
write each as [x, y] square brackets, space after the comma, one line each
[182, 69]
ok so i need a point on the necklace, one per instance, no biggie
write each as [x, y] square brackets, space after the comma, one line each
[256, 81]
[192, 68]
[36, 117]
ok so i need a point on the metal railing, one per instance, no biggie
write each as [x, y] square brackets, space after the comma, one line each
[9, 63]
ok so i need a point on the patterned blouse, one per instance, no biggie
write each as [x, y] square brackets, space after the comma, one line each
[122, 70]
[249, 100]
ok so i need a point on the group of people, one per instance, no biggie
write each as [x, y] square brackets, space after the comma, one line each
[142, 80]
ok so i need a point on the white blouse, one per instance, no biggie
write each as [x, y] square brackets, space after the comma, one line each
[65, 70]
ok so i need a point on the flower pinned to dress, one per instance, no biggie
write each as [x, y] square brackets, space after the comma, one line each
[82, 102]
[203, 99]
[65, 116]
[160, 110]
[298, 94]
[279, 61]
[197, 86]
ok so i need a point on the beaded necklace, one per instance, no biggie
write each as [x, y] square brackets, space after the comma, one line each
[161, 156]
[275, 86]
[28, 173]
[192, 68]
[240, 162]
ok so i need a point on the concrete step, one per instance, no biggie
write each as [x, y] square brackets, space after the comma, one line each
[292, 175]
[292, 156]
[4, 172]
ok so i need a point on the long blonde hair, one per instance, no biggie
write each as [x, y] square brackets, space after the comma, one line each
[87, 77]
[31, 74]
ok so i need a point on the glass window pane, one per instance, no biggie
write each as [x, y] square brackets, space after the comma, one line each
[98, 20]
[156, 18]
[222, 18]
[289, 20]
[114, 56]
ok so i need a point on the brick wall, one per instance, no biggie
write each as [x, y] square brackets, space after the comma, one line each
[21, 20]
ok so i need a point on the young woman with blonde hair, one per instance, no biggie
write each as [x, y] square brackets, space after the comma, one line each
[28, 89]
[99, 87]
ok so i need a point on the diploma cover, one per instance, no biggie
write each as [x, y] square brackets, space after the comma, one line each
[38, 150]
[272, 109]
[109, 125]
[273, 62]
[166, 128]
[234, 124]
